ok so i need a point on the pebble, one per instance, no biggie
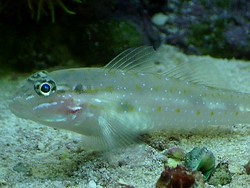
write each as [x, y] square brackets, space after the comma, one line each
[40, 146]
[92, 184]
[159, 19]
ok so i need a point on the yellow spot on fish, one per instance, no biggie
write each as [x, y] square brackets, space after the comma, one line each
[177, 110]
[198, 113]
[92, 91]
[212, 114]
[138, 87]
[110, 89]
[158, 109]
[126, 107]
[156, 88]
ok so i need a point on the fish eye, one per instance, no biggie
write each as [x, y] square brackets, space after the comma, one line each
[45, 88]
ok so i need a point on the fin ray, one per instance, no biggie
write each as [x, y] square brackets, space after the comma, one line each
[202, 73]
[132, 59]
[114, 134]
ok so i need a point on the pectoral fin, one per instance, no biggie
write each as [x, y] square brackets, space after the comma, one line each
[112, 134]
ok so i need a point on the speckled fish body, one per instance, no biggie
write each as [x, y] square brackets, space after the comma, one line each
[116, 103]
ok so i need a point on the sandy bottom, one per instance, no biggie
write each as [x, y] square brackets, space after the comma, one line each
[32, 155]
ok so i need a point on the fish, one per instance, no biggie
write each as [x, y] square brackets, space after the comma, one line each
[112, 106]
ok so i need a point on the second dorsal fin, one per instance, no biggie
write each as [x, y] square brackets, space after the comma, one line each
[201, 73]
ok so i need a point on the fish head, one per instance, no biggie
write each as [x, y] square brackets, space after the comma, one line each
[39, 100]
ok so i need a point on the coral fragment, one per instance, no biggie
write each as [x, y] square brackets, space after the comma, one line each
[178, 177]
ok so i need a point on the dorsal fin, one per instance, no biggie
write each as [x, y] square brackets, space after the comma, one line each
[202, 73]
[199, 72]
[132, 59]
